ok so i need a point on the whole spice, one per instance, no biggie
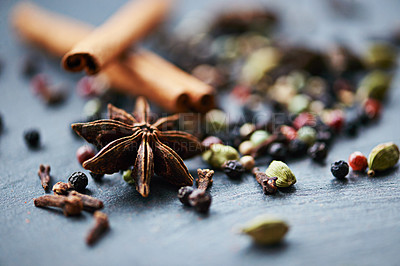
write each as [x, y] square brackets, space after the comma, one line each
[340, 169]
[100, 227]
[374, 85]
[266, 230]
[381, 55]
[248, 162]
[247, 129]
[50, 94]
[358, 161]
[183, 195]
[90, 204]
[128, 140]
[218, 154]
[258, 137]
[61, 188]
[200, 200]
[32, 138]
[84, 153]
[233, 169]
[297, 148]
[71, 205]
[205, 178]
[216, 121]
[78, 181]
[246, 147]
[318, 151]
[207, 142]
[44, 175]
[277, 151]
[372, 108]
[268, 183]
[127, 177]
[307, 134]
[31, 66]
[383, 157]
[280, 170]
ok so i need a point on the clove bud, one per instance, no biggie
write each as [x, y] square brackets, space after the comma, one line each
[44, 175]
[90, 204]
[205, 178]
[100, 227]
[268, 183]
[71, 205]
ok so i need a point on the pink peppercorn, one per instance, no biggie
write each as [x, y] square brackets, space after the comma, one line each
[358, 162]
[84, 153]
[372, 108]
[336, 120]
[211, 140]
[289, 132]
[304, 119]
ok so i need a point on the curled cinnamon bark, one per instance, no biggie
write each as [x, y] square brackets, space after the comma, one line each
[165, 84]
[130, 23]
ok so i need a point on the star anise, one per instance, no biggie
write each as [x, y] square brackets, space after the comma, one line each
[130, 140]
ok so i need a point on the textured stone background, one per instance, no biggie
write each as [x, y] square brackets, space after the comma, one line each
[356, 222]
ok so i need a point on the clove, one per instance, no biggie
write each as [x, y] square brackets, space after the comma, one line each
[200, 200]
[71, 205]
[268, 183]
[205, 178]
[61, 188]
[100, 227]
[44, 175]
[90, 204]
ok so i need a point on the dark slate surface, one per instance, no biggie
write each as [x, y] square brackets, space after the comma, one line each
[356, 222]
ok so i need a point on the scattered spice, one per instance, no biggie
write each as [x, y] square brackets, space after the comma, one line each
[61, 188]
[383, 157]
[277, 151]
[100, 227]
[268, 183]
[183, 195]
[90, 204]
[124, 137]
[205, 178]
[219, 153]
[358, 161]
[200, 200]
[280, 170]
[32, 138]
[85, 153]
[210, 140]
[71, 205]
[44, 175]
[318, 151]
[340, 169]
[50, 94]
[265, 230]
[248, 162]
[233, 169]
[78, 181]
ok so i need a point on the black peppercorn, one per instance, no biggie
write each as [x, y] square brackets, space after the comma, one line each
[200, 200]
[297, 147]
[318, 151]
[233, 169]
[78, 181]
[183, 194]
[278, 151]
[32, 138]
[96, 177]
[340, 169]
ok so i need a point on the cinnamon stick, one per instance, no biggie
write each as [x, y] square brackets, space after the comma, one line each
[130, 23]
[170, 91]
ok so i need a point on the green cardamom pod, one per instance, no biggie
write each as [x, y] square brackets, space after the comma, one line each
[280, 170]
[219, 153]
[266, 230]
[383, 157]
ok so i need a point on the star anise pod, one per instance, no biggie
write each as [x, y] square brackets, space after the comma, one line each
[130, 140]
